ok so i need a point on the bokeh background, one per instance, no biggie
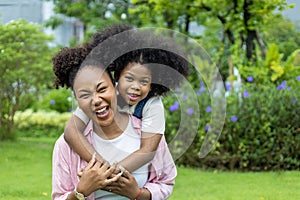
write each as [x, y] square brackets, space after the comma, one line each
[254, 43]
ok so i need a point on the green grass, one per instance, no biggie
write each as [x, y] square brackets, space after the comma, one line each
[197, 185]
[26, 169]
[26, 174]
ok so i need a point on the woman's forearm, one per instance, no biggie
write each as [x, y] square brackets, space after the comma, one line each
[73, 135]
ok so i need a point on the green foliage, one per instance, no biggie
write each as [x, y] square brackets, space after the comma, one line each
[273, 68]
[41, 123]
[261, 130]
[283, 33]
[93, 14]
[267, 130]
[59, 100]
[25, 69]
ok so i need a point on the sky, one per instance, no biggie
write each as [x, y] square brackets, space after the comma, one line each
[294, 13]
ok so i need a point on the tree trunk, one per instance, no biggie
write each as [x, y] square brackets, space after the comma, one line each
[250, 34]
[261, 45]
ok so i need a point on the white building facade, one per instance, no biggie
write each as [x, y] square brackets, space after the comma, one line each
[38, 11]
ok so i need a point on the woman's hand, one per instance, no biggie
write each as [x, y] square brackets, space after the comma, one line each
[95, 176]
[126, 186]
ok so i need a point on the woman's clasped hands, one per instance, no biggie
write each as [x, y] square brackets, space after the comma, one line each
[102, 176]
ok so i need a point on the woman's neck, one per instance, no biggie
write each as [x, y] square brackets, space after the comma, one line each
[115, 129]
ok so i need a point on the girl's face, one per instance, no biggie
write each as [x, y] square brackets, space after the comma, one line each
[134, 83]
[96, 95]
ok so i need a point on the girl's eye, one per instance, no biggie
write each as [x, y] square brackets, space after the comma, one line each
[144, 82]
[129, 78]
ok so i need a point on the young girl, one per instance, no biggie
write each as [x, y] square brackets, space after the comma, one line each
[140, 83]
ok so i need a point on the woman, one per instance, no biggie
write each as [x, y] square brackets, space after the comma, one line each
[119, 132]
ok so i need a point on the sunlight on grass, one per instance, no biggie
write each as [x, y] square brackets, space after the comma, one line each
[26, 175]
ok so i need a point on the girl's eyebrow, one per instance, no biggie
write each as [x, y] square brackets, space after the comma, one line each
[129, 73]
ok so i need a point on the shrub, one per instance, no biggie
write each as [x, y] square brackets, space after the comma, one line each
[41, 123]
[59, 100]
[261, 130]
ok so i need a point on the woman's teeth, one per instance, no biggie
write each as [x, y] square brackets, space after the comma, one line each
[101, 111]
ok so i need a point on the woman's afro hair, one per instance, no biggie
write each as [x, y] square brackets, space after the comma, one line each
[68, 60]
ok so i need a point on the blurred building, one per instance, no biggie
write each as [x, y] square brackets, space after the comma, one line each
[38, 11]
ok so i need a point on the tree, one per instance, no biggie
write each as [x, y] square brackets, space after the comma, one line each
[284, 33]
[25, 69]
[242, 21]
[93, 14]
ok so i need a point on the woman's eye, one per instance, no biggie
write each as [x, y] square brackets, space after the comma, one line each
[102, 89]
[84, 96]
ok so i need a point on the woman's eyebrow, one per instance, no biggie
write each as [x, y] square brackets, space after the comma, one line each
[83, 90]
[99, 84]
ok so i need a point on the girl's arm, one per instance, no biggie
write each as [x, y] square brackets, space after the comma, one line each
[153, 127]
[73, 135]
[149, 144]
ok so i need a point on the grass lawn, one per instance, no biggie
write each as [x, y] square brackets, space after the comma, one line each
[26, 174]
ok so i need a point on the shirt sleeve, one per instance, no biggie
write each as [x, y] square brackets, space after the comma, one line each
[81, 115]
[61, 178]
[153, 120]
[65, 165]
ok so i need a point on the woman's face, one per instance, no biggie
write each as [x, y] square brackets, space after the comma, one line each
[96, 95]
[134, 83]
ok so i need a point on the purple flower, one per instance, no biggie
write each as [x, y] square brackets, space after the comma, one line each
[294, 100]
[282, 86]
[234, 118]
[298, 78]
[207, 128]
[202, 88]
[70, 110]
[246, 94]
[190, 111]
[208, 109]
[174, 107]
[185, 97]
[52, 102]
[228, 86]
[250, 79]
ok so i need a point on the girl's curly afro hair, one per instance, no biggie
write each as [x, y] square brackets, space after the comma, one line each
[161, 55]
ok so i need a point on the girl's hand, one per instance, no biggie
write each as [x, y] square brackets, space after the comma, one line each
[125, 185]
[95, 176]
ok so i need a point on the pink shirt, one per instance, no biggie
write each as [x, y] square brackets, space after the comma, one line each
[66, 163]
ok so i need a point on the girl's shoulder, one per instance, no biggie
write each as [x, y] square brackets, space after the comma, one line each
[155, 100]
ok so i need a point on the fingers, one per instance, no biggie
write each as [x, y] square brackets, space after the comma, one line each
[113, 179]
[92, 162]
[126, 174]
[79, 174]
